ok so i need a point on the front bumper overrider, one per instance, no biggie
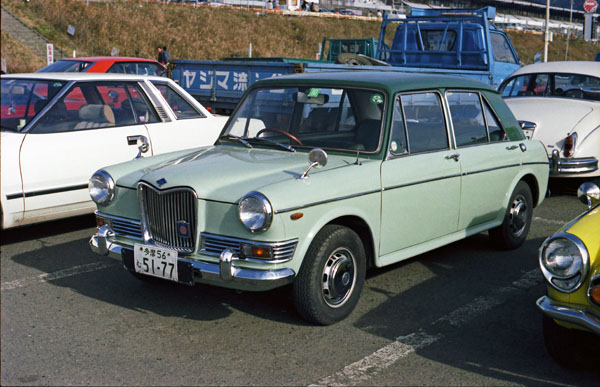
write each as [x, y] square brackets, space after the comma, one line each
[583, 317]
[223, 274]
[570, 166]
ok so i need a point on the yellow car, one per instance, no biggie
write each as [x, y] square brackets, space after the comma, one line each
[570, 262]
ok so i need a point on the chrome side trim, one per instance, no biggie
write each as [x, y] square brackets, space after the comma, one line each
[583, 317]
[421, 182]
[327, 201]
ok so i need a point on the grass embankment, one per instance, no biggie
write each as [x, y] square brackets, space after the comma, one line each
[136, 29]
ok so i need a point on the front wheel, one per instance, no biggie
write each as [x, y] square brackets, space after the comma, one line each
[332, 275]
[517, 219]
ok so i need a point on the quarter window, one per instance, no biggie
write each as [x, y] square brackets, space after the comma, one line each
[424, 120]
[180, 106]
[502, 49]
[467, 118]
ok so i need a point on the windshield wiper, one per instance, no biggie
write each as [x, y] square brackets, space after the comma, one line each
[263, 139]
[236, 138]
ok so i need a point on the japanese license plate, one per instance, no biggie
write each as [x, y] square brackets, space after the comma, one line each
[155, 261]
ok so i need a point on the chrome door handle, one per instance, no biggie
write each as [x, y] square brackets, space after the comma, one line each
[512, 147]
[455, 157]
[141, 142]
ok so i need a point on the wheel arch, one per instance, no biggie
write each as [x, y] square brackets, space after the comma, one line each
[532, 182]
[362, 229]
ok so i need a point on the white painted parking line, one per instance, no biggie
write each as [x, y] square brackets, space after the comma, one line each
[551, 221]
[359, 373]
[45, 277]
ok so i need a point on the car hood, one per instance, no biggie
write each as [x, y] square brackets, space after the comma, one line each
[226, 173]
[556, 118]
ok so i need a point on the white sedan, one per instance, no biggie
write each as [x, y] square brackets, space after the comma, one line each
[558, 103]
[59, 128]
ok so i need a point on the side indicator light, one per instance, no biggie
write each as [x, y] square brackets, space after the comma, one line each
[296, 215]
[595, 294]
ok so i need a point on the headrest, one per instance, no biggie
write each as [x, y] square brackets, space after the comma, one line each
[93, 112]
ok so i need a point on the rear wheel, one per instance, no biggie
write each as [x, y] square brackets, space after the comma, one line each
[332, 275]
[517, 219]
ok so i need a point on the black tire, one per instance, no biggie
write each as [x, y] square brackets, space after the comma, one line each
[332, 275]
[560, 343]
[517, 220]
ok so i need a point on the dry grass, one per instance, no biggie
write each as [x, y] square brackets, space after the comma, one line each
[137, 28]
[18, 57]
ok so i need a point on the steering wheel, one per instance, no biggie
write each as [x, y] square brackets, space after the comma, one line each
[287, 134]
[573, 93]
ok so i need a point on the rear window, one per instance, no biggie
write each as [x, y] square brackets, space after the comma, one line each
[66, 66]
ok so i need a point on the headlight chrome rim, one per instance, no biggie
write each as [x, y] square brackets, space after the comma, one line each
[104, 178]
[267, 212]
[580, 275]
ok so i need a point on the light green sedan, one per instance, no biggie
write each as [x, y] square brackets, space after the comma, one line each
[317, 177]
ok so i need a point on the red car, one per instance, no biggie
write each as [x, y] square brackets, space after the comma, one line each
[106, 64]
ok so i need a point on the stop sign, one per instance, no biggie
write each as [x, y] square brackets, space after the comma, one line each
[590, 6]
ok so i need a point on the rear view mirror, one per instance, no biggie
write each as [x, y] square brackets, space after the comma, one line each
[319, 99]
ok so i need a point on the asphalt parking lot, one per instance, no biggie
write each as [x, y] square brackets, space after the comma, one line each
[462, 314]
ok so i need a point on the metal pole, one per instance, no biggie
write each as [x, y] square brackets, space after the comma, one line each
[569, 32]
[547, 33]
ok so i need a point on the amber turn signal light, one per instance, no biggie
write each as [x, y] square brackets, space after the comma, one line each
[296, 215]
[595, 294]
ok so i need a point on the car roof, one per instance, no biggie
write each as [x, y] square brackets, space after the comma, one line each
[393, 81]
[76, 76]
[109, 59]
[571, 67]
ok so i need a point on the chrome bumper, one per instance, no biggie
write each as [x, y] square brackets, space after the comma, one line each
[582, 317]
[560, 166]
[223, 274]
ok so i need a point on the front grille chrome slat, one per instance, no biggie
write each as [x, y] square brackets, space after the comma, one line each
[161, 213]
[215, 244]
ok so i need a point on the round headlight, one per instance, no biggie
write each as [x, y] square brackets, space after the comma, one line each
[564, 261]
[102, 188]
[255, 212]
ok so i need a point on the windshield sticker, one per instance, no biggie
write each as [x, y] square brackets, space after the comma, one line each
[314, 92]
[376, 99]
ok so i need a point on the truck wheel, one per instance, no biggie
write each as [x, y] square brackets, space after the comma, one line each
[331, 278]
[517, 220]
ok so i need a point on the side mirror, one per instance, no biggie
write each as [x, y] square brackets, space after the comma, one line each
[589, 194]
[317, 158]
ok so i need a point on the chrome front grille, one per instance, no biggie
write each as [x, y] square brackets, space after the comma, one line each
[169, 217]
[216, 244]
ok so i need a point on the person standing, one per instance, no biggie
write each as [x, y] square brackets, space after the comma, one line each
[161, 56]
[166, 55]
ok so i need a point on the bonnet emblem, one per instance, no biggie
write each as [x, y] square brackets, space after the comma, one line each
[161, 182]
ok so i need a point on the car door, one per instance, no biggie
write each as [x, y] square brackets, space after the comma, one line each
[488, 161]
[188, 127]
[91, 126]
[420, 177]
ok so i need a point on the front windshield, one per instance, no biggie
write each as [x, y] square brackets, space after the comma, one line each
[562, 85]
[345, 119]
[23, 99]
[66, 66]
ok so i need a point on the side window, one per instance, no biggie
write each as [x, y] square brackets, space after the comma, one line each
[63, 115]
[117, 68]
[116, 97]
[425, 124]
[144, 112]
[494, 129]
[467, 118]
[181, 107]
[502, 50]
[398, 143]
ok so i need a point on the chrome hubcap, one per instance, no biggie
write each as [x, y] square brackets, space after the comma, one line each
[518, 215]
[339, 277]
